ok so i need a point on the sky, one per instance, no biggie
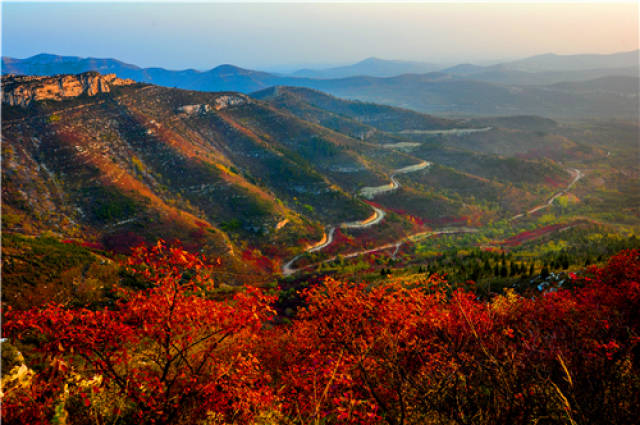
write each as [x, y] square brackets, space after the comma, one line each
[290, 35]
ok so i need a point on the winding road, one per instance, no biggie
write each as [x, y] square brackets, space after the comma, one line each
[577, 175]
[371, 192]
[375, 218]
[396, 245]
[378, 215]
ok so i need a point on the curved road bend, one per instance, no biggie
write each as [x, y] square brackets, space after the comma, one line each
[379, 214]
[577, 175]
[371, 191]
[396, 245]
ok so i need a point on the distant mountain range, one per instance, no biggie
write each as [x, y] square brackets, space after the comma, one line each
[528, 86]
[553, 62]
[372, 67]
[540, 69]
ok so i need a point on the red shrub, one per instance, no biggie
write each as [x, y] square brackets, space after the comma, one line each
[168, 351]
[411, 355]
[355, 354]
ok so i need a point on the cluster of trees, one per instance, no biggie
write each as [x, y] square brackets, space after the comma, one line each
[476, 265]
[353, 354]
[518, 266]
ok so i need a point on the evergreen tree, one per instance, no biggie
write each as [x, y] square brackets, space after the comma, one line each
[544, 273]
[475, 274]
[503, 271]
[487, 267]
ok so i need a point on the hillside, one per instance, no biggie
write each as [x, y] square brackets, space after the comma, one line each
[555, 353]
[555, 62]
[145, 162]
[290, 177]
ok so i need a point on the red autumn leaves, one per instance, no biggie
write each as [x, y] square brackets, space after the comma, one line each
[169, 351]
[354, 354]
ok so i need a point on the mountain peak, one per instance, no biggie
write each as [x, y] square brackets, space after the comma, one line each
[372, 59]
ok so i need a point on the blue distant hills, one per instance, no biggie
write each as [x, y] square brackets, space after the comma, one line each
[602, 85]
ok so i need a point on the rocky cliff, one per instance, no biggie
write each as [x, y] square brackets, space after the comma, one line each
[221, 102]
[22, 90]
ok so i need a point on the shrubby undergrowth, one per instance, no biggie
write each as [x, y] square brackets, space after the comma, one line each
[354, 354]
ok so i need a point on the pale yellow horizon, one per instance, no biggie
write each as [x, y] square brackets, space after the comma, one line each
[201, 35]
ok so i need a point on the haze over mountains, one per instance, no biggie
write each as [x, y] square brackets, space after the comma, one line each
[608, 83]
[373, 67]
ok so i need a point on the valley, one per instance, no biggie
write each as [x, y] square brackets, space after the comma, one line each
[287, 268]
[307, 213]
[293, 181]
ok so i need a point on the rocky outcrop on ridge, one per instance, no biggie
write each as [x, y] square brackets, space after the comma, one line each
[21, 90]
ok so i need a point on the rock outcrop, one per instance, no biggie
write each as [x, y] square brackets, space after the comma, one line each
[22, 90]
[226, 101]
[194, 109]
[221, 102]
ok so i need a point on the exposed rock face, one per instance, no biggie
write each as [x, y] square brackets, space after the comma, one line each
[22, 90]
[194, 109]
[221, 102]
[226, 101]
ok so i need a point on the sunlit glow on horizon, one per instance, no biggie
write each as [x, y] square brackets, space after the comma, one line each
[203, 35]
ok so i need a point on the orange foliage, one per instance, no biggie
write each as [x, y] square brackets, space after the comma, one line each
[354, 354]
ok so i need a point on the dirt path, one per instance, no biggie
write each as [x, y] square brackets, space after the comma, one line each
[327, 239]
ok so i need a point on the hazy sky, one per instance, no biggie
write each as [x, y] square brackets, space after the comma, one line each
[201, 36]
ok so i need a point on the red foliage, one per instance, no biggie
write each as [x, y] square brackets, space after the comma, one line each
[85, 244]
[340, 240]
[411, 218]
[355, 354]
[122, 242]
[552, 182]
[532, 234]
[201, 224]
[169, 351]
[255, 258]
[404, 355]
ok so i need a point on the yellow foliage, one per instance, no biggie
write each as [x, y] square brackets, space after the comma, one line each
[502, 304]
[54, 118]
[546, 219]
[18, 377]
[138, 164]
[223, 168]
